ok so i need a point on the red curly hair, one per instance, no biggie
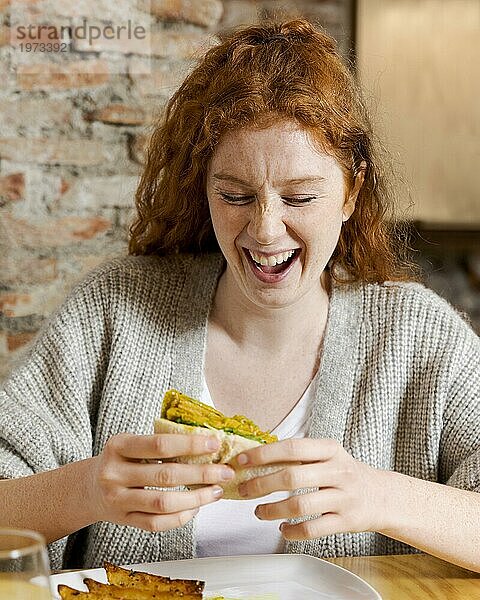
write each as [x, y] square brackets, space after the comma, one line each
[269, 70]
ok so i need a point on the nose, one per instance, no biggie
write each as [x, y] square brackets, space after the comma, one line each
[266, 223]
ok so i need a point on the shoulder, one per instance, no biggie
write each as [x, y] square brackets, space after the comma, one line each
[418, 316]
[148, 271]
[411, 301]
[124, 288]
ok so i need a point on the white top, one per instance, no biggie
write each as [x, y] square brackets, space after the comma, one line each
[230, 527]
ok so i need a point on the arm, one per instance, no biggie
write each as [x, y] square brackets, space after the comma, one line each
[47, 418]
[450, 514]
[435, 518]
[444, 520]
[47, 409]
[45, 502]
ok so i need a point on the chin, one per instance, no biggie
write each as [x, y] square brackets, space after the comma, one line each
[273, 298]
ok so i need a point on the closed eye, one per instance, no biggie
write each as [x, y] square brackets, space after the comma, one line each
[298, 201]
[247, 199]
[237, 199]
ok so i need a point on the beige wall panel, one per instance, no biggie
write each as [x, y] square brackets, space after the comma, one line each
[419, 62]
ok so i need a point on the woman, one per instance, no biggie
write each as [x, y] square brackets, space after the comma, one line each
[307, 322]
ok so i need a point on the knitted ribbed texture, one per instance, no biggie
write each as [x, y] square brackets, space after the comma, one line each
[398, 387]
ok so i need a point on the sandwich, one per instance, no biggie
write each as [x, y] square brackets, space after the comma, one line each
[181, 414]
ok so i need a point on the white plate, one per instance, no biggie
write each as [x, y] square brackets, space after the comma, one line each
[262, 577]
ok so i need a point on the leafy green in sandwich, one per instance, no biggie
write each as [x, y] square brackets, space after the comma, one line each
[182, 409]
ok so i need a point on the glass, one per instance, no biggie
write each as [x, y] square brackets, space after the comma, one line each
[24, 567]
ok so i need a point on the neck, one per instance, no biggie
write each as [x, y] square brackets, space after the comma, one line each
[270, 329]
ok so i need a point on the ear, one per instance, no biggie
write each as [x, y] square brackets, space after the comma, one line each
[349, 205]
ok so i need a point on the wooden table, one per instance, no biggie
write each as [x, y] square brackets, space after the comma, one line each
[414, 576]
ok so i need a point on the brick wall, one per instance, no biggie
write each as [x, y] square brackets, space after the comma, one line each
[73, 125]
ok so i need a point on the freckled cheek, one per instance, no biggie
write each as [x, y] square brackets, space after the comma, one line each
[319, 235]
[228, 227]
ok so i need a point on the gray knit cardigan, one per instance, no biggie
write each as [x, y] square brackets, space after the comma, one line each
[398, 386]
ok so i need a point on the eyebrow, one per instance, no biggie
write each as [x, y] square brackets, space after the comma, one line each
[232, 179]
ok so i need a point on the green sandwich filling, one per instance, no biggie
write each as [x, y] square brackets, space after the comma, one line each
[182, 409]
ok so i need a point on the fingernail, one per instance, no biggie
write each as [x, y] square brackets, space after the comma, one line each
[227, 473]
[242, 459]
[217, 492]
[213, 444]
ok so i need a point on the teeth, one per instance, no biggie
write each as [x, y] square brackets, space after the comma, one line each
[271, 261]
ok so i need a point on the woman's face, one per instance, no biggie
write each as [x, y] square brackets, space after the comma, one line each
[277, 206]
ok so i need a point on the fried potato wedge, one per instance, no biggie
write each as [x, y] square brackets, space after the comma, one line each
[153, 583]
[68, 593]
[116, 592]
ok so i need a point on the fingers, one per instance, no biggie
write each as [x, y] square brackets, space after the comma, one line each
[327, 500]
[152, 522]
[325, 505]
[164, 445]
[315, 528]
[173, 474]
[291, 478]
[164, 503]
[305, 450]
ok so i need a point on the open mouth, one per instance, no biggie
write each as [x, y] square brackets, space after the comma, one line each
[284, 261]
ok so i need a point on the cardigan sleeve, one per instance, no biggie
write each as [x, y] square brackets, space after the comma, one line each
[47, 404]
[459, 464]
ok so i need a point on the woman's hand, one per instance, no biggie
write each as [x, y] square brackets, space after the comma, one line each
[346, 492]
[117, 482]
